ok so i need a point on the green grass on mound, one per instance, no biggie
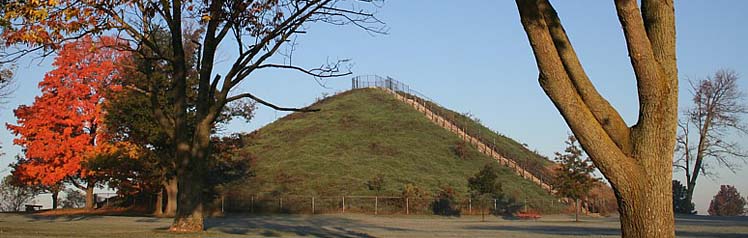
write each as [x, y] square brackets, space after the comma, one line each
[509, 148]
[361, 134]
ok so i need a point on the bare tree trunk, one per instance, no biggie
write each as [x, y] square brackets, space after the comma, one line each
[576, 209]
[171, 197]
[90, 203]
[690, 188]
[158, 207]
[190, 210]
[55, 195]
[191, 181]
[641, 214]
[700, 149]
[482, 214]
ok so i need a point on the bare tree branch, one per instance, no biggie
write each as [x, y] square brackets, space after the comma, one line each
[321, 72]
[263, 102]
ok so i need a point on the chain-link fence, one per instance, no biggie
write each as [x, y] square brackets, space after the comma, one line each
[296, 204]
[465, 123]
[376, 205]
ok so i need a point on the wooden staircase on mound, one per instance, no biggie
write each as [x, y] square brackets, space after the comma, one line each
[395, 88]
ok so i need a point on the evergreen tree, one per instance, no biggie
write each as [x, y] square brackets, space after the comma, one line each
[680, 204]
[484, 187]
[573, 177]
[727, 202]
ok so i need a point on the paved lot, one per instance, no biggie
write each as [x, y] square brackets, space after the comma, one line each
[352, 225]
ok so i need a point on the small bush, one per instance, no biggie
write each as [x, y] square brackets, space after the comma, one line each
[73, 199]
[460, 149]
[508, 206]
[445, 203]
[418, 199]
[376, 184]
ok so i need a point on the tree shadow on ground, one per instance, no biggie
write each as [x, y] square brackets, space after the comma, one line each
[700, 220]
[37, 218]
[275, 225]
[576, 231]
[700, 234]
[95, 214]
[553, 230]
[149, 219]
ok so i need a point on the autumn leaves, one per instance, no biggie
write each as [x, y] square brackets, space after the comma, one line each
[64, 128]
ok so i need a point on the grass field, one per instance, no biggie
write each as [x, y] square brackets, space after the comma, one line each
[352, 225]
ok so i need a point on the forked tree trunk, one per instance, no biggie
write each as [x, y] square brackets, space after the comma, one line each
[171, 197]
[636, 160]
[90, 203]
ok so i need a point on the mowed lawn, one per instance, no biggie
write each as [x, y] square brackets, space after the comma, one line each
[351, 225]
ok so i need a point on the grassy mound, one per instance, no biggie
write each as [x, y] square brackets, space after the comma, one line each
[362, 134]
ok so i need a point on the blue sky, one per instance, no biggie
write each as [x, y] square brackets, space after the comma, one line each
[473, 56]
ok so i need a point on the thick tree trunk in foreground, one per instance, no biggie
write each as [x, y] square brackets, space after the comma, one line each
[189, 217]
[642, 213]
[636, 160]
[171, 197]
[190, 154]
[90, 203]
[191, 210]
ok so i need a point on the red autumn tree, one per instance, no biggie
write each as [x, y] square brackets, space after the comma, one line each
[63, 128]
[727, 202]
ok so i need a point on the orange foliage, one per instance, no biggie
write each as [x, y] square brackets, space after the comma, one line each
[602, 200]
[63, 127]
[44, 23]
